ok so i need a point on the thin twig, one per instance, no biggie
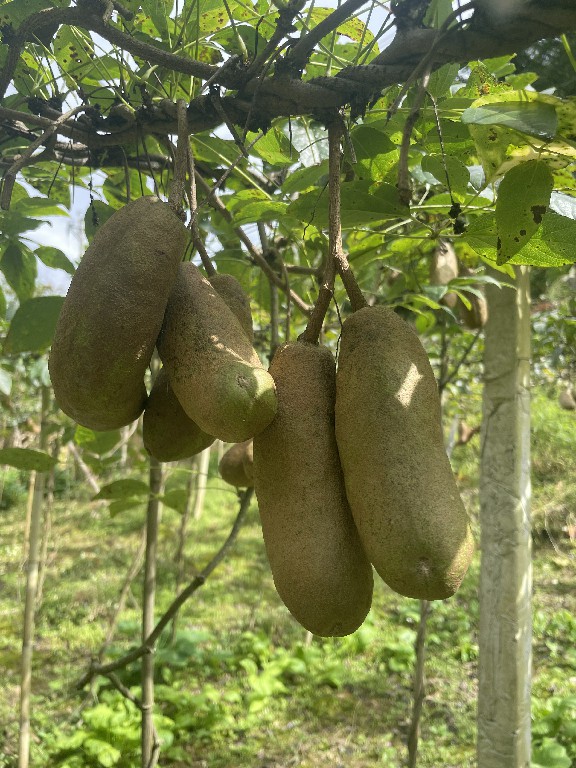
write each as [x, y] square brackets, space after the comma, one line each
[404, 186]
[256, 255]
[148, 644]
[444, 383]
[299, 54]
[23, 159]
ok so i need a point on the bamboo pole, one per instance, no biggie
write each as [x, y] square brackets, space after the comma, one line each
[31, 592]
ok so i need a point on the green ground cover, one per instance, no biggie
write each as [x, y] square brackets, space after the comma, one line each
[242, 684]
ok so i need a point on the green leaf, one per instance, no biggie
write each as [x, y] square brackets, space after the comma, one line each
[159, 11]
[96, 442]
[32, 327]
[122, 505]
[2, 305]
[16, 12]
[354, 28]
[27, 459]
[534, 118]
[97, 213]
[106, 755]
[361, 203]
[442, 79]
[458, 174]
[260, 211]
[123, 489]
[275, 148]
[376, 154]
[19, 266]
[303, 178]
[523, 199]
[55, 258]
[40, 206]
[550, 754]
[175, 499]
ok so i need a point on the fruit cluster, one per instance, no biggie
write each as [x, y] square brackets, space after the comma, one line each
[131, 294]
[349, 466]
[352, 472]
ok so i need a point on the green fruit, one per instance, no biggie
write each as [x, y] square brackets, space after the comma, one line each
[169, 435]
[399, 482]
[236, 465]
[214, 371]
[113, 312]
[319, 567]
[233, 294]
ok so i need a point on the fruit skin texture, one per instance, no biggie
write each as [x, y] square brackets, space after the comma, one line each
[236, 465]
[113, 312]
[233, 294]
[319, 567]
[399, 482]
[169, 435]
[214, 371]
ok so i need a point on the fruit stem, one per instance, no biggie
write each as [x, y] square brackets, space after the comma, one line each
[194, 228]
[180, 160]
[335, 132]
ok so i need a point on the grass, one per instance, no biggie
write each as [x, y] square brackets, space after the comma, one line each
[243, 684]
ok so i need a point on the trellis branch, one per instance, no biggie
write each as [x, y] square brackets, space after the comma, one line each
[283, 95]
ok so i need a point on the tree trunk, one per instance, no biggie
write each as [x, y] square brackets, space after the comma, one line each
[506, 570]
[31, 591]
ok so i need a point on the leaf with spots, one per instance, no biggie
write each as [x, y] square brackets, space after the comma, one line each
[523, 199]
[74, 52]
[552, 245]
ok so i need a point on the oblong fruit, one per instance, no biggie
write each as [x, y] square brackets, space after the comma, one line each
[113, 312]
[235, 466]
[168, 433]
[399, 482]
[233, 294]
[319, 567]
[214, 371]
